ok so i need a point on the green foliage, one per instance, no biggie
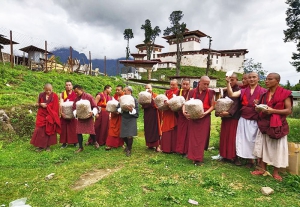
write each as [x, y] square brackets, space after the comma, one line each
[292, 182]
[292, 34]
[251, 66]
[190, 71]
[150, 36]
[128, 34]
[177, 29]
[294, 125]
[296, 112]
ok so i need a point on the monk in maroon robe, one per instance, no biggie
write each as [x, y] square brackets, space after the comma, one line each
[151, 122]
[85, 126]
[199, 129]
[230, 120]
[182, 122]
[271, 144]
[102, 118]
[47, 123]
[169, 123]
[113, 139]
[68, 126]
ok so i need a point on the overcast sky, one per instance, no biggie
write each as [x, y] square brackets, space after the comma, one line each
[98, 26]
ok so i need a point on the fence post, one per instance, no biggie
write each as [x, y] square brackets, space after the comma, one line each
[11, 51]
[90, 62]
[71, 59]
[105, 65]
[46, 56]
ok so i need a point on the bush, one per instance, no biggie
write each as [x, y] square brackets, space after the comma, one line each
[294, 125]
[296, 112]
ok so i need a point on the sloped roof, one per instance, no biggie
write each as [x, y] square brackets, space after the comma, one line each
[34, 48]
[5, 41]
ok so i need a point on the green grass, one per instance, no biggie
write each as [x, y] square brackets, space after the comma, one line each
[146, 178]
[190, 71]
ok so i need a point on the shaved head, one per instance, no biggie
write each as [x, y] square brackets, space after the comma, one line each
[276, 76]
[204, 78]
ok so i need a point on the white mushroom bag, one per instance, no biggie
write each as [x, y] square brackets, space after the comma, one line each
[176, 103]
[83, 108]
[160, 102]
[111, 106]
[223, 104]
[126, 100]
[67, 109]
[194, 107]
[144, 97]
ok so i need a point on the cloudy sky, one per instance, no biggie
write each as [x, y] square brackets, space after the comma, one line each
[98, 26]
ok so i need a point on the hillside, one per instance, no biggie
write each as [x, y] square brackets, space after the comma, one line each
[190, 71]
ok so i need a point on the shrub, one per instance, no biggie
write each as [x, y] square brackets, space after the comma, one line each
[296, 112]
[294, 125]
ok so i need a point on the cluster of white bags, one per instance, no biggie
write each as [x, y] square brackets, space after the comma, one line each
[67, 109]
[126, 100]
[194, 107]
[83, 108]
[223, 104]
[111, 106]
[160, 102]
[176, 103]
[144, 97]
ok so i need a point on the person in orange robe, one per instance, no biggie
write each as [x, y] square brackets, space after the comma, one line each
[68, 126]
[182, 122]
[47, 123]
[169, 123]
[199, 129]
[152, 123]
[113, 139]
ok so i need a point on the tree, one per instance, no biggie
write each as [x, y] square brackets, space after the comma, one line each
[150, 36]
[177, 29]
[251, 66]
[128, 34]
[293, 31]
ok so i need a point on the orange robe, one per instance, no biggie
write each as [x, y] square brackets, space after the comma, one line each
[113, 138]
[169, 127]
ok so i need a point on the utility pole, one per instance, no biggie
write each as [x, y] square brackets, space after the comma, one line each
[208, 56]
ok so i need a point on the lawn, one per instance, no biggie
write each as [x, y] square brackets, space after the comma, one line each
[147, 178]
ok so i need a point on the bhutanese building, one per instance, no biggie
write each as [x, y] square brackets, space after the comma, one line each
[194, 55]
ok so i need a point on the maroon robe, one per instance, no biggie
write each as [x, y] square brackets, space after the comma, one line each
[68, 126]
[47, 122]
[229, 127]
[85, 126]
[199, 129]
[151, 124]
[248, 107]
[182, 129]
[102, 121]
[274, 120]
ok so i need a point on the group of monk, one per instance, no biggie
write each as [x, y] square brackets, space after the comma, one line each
[250, 132]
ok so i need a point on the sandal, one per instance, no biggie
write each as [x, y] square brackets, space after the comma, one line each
[107, 148]
[277, 177]
[257, 172]
[237, 162]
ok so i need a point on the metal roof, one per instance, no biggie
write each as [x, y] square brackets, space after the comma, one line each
[5, 41]
[34, 48]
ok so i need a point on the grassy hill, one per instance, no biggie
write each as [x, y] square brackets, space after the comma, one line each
[191, 71]
[146, 178]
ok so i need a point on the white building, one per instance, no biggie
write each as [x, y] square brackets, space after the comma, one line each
[194, 55]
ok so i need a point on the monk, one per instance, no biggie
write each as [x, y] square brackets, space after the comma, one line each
[169, 122]
[68, 126]
[244, 81]
[152, 124]
[182, 121]
[129, 122]
[47, 123]
[247, 125]
[199, 129]
[85, 126]
[272, 147]
[113, 139]
[229, 123]
[102, 118]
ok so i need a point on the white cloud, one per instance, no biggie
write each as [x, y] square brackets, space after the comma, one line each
[98, 25]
